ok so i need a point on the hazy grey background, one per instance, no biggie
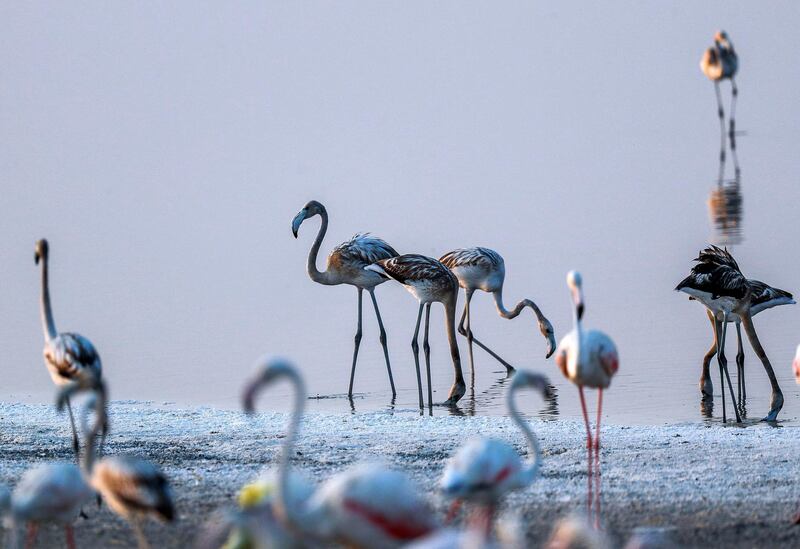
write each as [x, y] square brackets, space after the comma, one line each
[164, 148]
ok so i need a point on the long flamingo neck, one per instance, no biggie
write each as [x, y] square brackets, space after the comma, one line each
[91, 435]
[284, 508]
[315, 274]
[514, 313]
[450, 325]
[48, 324]
[533, 443]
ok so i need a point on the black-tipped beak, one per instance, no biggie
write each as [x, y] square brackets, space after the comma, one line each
[294, 232]
[36, 258]
[297, 221]
[580, 311]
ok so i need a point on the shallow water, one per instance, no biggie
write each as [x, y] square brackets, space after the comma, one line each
[572, 137]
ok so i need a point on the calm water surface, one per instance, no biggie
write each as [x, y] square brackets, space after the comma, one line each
[165, 154]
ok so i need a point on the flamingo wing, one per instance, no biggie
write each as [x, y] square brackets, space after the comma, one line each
[365, 249]
[72, 355]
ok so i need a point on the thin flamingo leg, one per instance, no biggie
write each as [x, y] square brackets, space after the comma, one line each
[30, 539]
[597, 456]
[589, 451]
[453, 511]
[70, 532]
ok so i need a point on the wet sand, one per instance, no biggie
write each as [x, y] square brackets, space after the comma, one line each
[710, 484]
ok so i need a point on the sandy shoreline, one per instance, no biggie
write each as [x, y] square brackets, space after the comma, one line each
[714, 485]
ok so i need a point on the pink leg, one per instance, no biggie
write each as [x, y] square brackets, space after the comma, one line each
[591, 456]
[70, 536]
[453, 511]
[597, 455]
[31, 537]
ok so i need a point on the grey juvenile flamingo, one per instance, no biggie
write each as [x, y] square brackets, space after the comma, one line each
[346, 266]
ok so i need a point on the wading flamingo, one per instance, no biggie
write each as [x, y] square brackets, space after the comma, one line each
[484, 470]
[588, 358]
[718, 63]
[484, 269]
[367, 506]
[68, 356]
[717, 282]
[429, 281]
[134, 488]
[346, 266]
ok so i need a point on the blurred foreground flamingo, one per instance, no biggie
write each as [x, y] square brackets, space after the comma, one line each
[367, 506]
[588, 358]
[484, 470]
[484, 269]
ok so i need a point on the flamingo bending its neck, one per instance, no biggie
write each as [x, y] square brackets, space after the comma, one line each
[367, 506]
[484, 269]
[428, 280]
[346, 266]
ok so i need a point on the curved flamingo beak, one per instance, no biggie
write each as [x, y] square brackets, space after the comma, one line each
[297, 221]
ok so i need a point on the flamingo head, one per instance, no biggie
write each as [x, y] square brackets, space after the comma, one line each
[271, 369]
[549, 334]
[796, 365]
[309, 210]
[40, 251]
[721, 37]
[575, 284]
[527, 378]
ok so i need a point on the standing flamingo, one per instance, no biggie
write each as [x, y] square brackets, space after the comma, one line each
[588, 358]
[346, 266]
[796, 365]
[484, 269]
[429, 281]
[68, 356]
[484, 470]
[367, 506]
[718, 63]
[717, 282]
[134, 488]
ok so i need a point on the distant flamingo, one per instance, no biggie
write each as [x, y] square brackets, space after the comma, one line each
[68, 356]
[484, 269]
[718, 63]
[796, 365]
[346, 266]
[134, 488]
[429, 281]
[484, 470]
[717, 282]
[366, 506]
[588, 358]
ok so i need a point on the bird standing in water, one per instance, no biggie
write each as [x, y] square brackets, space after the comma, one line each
[484, 269]
[588, 358]
[346, 266]
[720, 62]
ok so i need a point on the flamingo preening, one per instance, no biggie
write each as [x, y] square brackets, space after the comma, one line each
[429, 280]
[484, 269]
[68, 356]
[134, 488]
[346, 266]
[484, 470]
[588, 358]
[717, 282]
[718, 63]
[366, 506]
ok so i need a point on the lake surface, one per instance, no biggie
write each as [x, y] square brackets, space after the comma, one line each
[164, 154]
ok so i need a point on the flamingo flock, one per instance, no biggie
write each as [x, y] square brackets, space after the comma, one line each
[372, 505]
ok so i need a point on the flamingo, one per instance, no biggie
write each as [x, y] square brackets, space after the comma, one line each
[796, 365]
[54, 492]
[346, 266]
[134, 488]
[68, 356]
[484, 470]
[718, 63]
[429, 280]
[717, 282]
[588, 358]
[484, 269]
[367, 506]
